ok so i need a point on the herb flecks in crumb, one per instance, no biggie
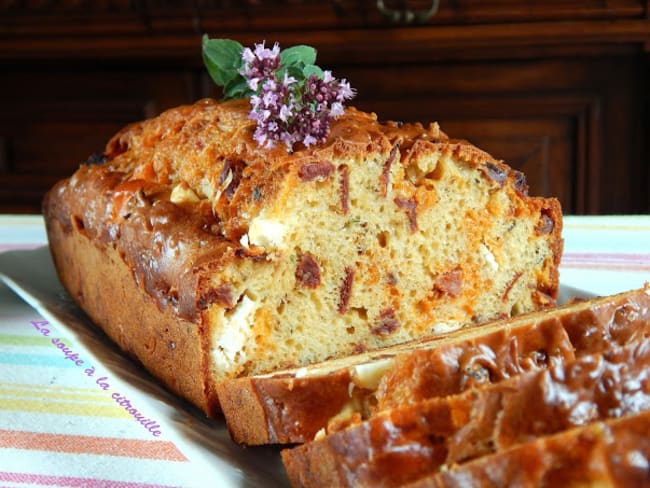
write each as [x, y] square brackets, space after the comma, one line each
[292, 100]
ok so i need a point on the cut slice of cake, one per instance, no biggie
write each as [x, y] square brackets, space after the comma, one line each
[403, 444]
[292, 406]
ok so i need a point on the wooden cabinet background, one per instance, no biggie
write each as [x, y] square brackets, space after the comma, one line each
[558, 89]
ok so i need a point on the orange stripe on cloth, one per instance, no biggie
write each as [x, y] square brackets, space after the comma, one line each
[81, 444]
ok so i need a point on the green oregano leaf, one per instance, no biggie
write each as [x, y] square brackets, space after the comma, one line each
[236, 88]
[300, 55]
[312, 69]
[222, 58]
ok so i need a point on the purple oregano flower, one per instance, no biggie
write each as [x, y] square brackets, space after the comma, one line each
[288, 110]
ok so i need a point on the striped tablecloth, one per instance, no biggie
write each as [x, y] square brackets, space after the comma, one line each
[606, 254]
[74, 412]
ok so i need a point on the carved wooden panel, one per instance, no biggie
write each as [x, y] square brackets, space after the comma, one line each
[161, 15]
[579, 118]
[542, 149]
[62, 118]
[543, 145]
[558, 89]
[460, 29]
[645, 127]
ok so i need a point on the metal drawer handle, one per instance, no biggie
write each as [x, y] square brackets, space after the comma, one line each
[406, 15]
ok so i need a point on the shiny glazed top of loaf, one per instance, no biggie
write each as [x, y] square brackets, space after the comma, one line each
[208, 148]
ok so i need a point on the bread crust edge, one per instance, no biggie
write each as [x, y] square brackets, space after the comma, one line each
[102, 285]
[250, 403]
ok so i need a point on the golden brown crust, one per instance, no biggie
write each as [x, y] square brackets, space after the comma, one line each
[282, 412]
[448, 365]
[407, 443]
[98, 280]
[599, 454]
[202, 143]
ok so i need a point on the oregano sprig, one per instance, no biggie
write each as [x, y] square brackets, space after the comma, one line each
[292, 99]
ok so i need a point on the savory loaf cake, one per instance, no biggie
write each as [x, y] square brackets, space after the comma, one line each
[293, 406]
[208, 257]
[406, 443]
